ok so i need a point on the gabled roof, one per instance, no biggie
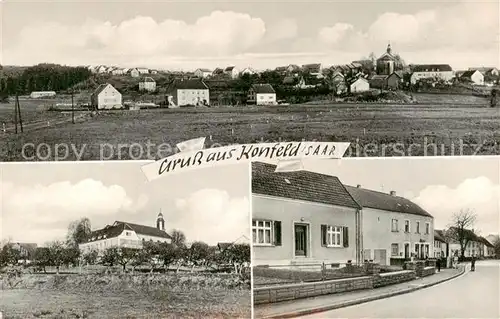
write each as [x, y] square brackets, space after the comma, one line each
[100, 88]
[191, 84]
[382, 201]
[440, 236]
[378, 77]
[229, 69]
[263, 88]
[312, 68]
[429, 67]
[218, 71]
[484, 69]
[111, 231]
[468, 74]
[485, 241]
[148, 79]
[300, 185]
[205, 70]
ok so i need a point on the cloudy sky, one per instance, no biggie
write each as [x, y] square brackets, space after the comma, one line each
[206, 33]
[440, 185]
[38, 201]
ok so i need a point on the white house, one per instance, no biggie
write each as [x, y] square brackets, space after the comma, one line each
[147, 84]
[262, 94]
[491, 71]
[192, 92]
[441, 246]
[442, 72]
[202, 73]
[106, 97]
[473, 76]
[143, 70]
[393, 228]
[126, 235]
[248, 71]
[232, 72]
[359, 85]
[134, 73]
[118, 71]
[42, 94]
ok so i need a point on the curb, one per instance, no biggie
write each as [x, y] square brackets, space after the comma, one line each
[349, 303]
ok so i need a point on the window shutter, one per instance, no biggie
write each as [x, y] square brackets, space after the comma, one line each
[323, 236]
[345, 234]
[277, 233]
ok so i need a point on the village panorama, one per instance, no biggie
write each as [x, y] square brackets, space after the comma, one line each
[383, 105]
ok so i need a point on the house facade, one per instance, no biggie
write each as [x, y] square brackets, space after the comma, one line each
[386, 64]
[441, 247]
[487, 71]
[232, 72]
[301, 218]
[442, 72]
[473, 76]
[359, 85]
[106, 97]
[202, 73]
[262, 94]
[193, 92]
[126, 235]
[393, 227]
[134, 73]
[147, 84]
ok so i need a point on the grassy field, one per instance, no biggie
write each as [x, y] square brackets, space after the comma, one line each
[373, 130]
[160, 296]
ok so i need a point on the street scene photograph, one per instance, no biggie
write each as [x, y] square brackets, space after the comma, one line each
[115, 80]
[97, 240]
[376, 238]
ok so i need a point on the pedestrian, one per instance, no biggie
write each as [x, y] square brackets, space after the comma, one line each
[473, 264]
[438, 264]
[455, 261]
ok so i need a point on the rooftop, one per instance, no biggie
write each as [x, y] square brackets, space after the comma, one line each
[263, 88]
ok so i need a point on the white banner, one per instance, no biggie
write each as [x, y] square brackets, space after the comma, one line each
[283, 151]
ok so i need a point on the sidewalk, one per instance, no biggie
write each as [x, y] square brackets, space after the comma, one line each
[301, 307]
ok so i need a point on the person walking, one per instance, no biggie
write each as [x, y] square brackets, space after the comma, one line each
[455, 261]
[438, 264]
[473, 264]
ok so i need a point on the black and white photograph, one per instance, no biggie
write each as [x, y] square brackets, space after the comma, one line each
[128, 80]
[96, 240]
[377, 238]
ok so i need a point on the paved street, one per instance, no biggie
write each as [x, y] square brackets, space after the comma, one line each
[473, 295]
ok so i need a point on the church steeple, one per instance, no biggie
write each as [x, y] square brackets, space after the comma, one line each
[160, 222]
[389, 48]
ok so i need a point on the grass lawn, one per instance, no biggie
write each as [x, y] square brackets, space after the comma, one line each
[206, 303]
[373, 130]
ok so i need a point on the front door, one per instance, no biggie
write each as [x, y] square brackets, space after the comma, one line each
[380, 256]
[300, 240]
[407, 251]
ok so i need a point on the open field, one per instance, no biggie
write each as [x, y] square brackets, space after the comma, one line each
[373, 130]
[121, 296]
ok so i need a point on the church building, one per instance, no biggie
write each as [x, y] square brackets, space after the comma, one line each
[126, 235]
[388, 62]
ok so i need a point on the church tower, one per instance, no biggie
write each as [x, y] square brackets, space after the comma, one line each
[160, 222]
[389, 49]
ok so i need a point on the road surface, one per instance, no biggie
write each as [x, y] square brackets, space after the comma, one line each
[473, 295]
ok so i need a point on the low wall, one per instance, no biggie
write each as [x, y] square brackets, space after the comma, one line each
[306, 275]
[303, 290]
[392, 278]
[427, 271]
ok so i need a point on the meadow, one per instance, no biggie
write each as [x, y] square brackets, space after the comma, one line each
[467, 128]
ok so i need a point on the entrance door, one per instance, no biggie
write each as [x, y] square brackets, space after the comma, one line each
[300, 240]
[407, 251]
[380, 256]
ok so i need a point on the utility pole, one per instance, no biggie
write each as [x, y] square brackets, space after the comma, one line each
[15, 113]
[72, 108]
[19, 111]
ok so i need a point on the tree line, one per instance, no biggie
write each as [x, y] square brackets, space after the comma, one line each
[43, 77]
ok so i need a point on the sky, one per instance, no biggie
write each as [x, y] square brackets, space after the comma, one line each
[39, 200]
[185, 35]
[440, 185]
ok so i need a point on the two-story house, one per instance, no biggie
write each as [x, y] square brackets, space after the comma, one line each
[106, 97]
[393, 227]
[442, 72]
[262, 94]
[302, 217]
[192, 92]
[126, 235]
[441, 247]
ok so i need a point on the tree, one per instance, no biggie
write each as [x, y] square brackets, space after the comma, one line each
[198, 253]
[461, 230]
[9, 255]
[78, 232]
[372, 57]
[125, 256]
[90, 257]
[496, 245]
[178, 238]
[42, 258]
[57, 254]
[170, 254]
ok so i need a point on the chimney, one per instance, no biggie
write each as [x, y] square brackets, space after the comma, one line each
[393, 193]
[358, 186]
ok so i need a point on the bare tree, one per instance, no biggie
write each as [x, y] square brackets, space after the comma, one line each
[178, 238]
[461, 228]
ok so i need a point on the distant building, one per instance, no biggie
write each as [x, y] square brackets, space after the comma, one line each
[143, 71]
[126, 235]
[218, 72]
[202, 73]
[441, 247]
[359, 85]
[42, 94]
[26, 251]
[473, 76]
[442, 72]
[232, 72]
[313, 69]
[193, 92]
[118, 71]
[262, 94]
[394, 81]
[487, 71]
[134, 73]
[378, 81]
[106, 97]
[387, 63]
[147, 84]
[248, 71]
[386, 82]
[293, 69]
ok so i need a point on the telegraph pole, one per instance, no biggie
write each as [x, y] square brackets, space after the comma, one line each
[72, 108]
[19, 111]
[15, 113]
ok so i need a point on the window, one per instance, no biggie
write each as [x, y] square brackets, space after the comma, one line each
[261, 232]
[394, 226]
[427, 228]
[407, 226]
[395, 250]
[127, 233]
[334, 236]
[418, 228]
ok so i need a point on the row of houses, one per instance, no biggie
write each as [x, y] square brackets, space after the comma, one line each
[231, 72]
[113, 70]
[303, 217]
